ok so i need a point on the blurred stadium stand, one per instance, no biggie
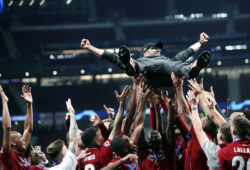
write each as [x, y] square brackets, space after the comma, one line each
[40, 46]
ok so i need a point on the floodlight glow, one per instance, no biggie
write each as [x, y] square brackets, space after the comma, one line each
[110, 70]
[27, 74]
[54, 72]
[219, 63]
[82, 71]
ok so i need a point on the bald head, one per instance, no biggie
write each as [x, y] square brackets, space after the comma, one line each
[17, 141]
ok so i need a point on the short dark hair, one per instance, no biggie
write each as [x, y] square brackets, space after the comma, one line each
[116, 144]
[54, 150]
[241, 126]
[88, 136]
[225, 132]
[210, 128]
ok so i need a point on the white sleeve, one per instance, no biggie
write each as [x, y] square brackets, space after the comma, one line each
[211, 150]
[69, 162]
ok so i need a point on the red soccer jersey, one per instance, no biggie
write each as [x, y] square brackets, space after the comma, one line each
[162, 160]
[133, 165]
[235, 155]
[15, 161]
[195, 158]
[98, 158]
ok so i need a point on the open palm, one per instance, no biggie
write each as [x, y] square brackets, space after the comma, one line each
[27, 96]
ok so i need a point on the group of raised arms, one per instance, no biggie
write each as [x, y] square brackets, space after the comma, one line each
[190, 140]
[196, 136]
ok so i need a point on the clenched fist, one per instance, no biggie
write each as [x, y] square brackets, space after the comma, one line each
[85, 43]
[204, 37]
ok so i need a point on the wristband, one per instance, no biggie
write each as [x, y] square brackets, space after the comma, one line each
[204, 112]
[201, 42]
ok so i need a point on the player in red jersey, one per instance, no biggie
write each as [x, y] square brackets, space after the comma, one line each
[236, 154]
[101, 153]
[158, 153]
[124, 146]
[14, 144]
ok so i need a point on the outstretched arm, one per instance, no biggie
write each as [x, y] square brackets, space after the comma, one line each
[118, 119]
[131, 106]
[182, 104]
[158, 96]
[28, 124]
[203, 39]
[6, 122]
[110, 56]
[185, 54]
[145, 92]
[96, 51]
[193, 100]
[72, 128]
[158, 118]
[204, 102]
[212, 96]
[170, 126]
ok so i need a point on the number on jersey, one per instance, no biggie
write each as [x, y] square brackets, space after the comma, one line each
[89, 167]
[242, 164]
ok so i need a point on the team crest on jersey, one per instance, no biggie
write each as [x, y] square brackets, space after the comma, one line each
[107, 144]
[1, 150]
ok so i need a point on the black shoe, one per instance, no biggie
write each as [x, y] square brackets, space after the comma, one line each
[124, 56]
[202, 61]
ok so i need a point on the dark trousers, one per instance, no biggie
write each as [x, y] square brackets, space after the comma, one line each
[158, 68]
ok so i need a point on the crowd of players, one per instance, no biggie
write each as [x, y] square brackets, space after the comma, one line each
[189, 141]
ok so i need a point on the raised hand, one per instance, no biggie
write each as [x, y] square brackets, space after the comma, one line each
[42, 157]
[130, 158]
[195, 86]
[210, 101]
[157, 95]
[110, 111]
[85, 43]
[27, 96]
[178, 82]
[145, 90]
[95, 119]
[204, 37]
[192, 98]
[136, 81]
[168, 97]
[123, 95]
[69, 106]
[4, 97]
[152, 99]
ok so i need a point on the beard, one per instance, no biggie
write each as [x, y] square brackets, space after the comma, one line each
[155, 143]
